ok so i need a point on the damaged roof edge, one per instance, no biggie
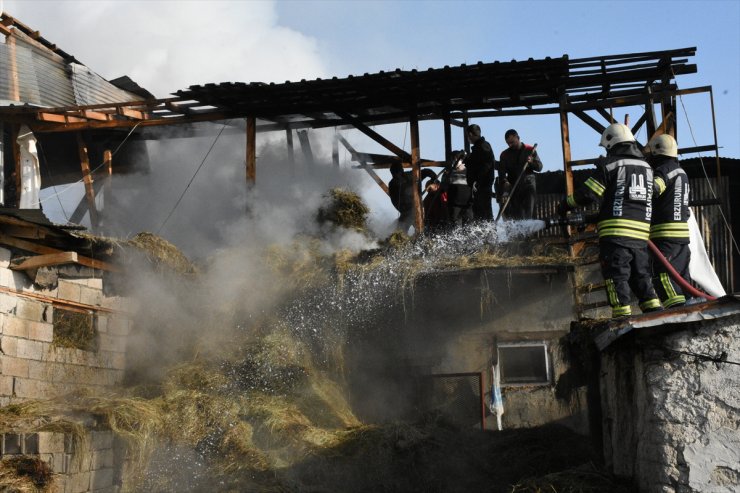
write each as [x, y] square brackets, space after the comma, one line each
[710, 310]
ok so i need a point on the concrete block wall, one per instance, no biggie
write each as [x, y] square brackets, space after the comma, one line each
[95, 467]
[670, 417]
[32, 366]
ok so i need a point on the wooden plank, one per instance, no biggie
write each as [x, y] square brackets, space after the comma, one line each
[692, 150]
[25, 231]
[14, 83]
[662, 128]
[416, 175]
[448, 136]
[367, 168]
[44, 260]
[87, 178]
[96, 115]
[359, 125]
[586, 118]
[128, 112]
[251, 151]
[82, 206]
[58, 302]
[108, 181]
[335, 150]
[43, 249]
[607, 116]
[466, 122]
[306, 147]
[289, 143]
[639, 123]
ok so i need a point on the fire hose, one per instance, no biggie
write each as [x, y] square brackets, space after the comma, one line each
[578, 219]
[685, 286]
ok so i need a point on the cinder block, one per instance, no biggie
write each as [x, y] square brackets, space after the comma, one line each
[101, 478]
[16, 327]
[15, 367]
[103, 459]
[39, 370]
[4, 258]
[30, 349]
[51, 443]
[101, 440]
[90, 296]
[31, 443]
[8, 303]
[40, 331]
[95, 283]
[8, 279]
[101, 323]
[6, 385]
[68, 290]
[12, 443]
[58, 463]
[9, 345]
[80, 482]
[118, 361]
[31, 389]
[30, 310]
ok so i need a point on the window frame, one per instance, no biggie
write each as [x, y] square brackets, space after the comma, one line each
[519, 344]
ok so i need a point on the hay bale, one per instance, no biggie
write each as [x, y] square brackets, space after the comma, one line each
[345, 209]
[25, 474]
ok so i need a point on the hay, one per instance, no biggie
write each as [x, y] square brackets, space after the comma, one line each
[24, 474]
[161, 253]
[345, 209]
[73, 329]
[586, 478]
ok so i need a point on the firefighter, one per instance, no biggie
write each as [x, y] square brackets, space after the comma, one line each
[480, 164]
[401, 191]
[459, 193]
[511, 165]
[623, 182]
[669, 229]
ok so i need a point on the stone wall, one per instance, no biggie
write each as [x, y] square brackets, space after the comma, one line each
[91, 465]
[671, 419]
[33, 364]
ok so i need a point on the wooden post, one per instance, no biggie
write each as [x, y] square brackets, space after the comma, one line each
[448, 137]
[15, 150]
[87, 179]
[251, 151]
[650, 115]
[465, 131]
[14, 85]
[289, 141]
[306, 147]
[107, 186]
[416, 175]
[335, 149]
[363, 161]
[565, 136]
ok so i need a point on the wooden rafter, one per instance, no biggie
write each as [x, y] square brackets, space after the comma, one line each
[42, 249]
[87, 178]
[359, 157]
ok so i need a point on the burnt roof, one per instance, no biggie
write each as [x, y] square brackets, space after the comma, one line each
[389, 96]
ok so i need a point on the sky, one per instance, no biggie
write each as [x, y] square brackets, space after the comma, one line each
[168, 45]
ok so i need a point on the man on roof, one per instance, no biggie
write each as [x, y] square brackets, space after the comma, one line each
[479, 164]
[511, 165]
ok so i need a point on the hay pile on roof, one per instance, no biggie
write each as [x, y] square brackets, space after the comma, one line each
[161, 253]
[344, 208]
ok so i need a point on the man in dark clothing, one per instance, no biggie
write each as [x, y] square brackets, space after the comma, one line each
[669, 229]
[401, 191]
[480, 164]
[623, 182]
[459, 192]
[436, 213]
[510, 166]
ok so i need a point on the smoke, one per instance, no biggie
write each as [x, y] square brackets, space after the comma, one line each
[166, 46]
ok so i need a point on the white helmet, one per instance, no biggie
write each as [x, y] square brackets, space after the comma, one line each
[616, 133]
[663, 145]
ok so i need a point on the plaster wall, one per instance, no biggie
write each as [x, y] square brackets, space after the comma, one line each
[670, 418]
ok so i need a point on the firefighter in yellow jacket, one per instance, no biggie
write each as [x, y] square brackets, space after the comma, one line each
[623, 183]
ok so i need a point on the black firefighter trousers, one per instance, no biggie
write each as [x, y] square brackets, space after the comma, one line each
[678, 254]
[625, 265]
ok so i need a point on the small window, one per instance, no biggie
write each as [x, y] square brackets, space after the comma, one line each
[524, 363]
[75, 329]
